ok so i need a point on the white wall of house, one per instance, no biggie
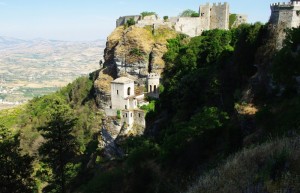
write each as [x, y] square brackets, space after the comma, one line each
[121, 90]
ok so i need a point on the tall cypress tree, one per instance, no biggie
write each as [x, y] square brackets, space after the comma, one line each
[60, 147]
[15, 168]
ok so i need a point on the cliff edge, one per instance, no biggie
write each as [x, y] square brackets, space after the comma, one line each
[133, 52]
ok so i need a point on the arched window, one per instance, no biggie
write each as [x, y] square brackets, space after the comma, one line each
[150, 88]
[128, 90]
[155, 88]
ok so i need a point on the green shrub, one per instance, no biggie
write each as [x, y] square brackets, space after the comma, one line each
[118, 114]
[147, 13]
[189, 13]
[232, 19]
[130, 22]
[136, 52]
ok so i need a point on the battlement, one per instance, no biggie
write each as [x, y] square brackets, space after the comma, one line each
[220, 4]
[153, 75]
[285, 14]
[285, 4]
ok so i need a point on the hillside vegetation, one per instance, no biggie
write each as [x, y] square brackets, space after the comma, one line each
[227, 120]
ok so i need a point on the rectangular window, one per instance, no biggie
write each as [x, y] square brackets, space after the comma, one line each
[117, 91]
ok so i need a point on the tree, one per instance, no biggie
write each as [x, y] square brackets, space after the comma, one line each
[189, 13]
[130, 22]
[147, 13]
[15, 168]
[166, 18]
[60, 147]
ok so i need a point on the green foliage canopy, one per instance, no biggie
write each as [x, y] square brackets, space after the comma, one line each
[189, 13]
[61, 146]
[15, 169]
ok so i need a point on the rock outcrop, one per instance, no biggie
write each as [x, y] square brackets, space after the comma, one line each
[132, 52]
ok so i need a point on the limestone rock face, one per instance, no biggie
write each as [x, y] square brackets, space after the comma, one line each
[131, 52]
[137, 51]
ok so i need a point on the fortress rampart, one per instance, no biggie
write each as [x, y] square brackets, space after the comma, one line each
[211, 16]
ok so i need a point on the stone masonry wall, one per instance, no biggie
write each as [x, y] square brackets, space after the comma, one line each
[204, 14]
[189, 25]
[215, 16]
[123, 20]
[219, 16]
[285, 14]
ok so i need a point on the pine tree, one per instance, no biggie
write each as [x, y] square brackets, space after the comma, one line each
[60, 147]
[15, 168]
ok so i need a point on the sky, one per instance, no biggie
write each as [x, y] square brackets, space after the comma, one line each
[85, 20]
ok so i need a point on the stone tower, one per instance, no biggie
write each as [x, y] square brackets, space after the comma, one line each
[153, 85]
[286, 14]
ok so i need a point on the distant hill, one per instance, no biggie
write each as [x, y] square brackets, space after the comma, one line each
[9, 41]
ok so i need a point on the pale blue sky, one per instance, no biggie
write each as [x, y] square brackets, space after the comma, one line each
[95, 19]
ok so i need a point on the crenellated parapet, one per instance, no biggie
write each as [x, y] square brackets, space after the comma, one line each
[284, 5]
[285, 14]
[225, 4]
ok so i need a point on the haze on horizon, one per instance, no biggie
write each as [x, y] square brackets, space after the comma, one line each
[77, 20]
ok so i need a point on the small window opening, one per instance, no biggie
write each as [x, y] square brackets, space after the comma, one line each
[128, 91]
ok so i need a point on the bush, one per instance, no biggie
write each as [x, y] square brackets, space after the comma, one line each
[147, 13]
[166, 18]
[189, 13]
[130, 22]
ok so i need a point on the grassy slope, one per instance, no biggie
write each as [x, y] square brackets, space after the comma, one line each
[270, 167]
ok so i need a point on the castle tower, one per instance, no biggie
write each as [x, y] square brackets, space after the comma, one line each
[219, 16]
[153, 85]
[286, 14]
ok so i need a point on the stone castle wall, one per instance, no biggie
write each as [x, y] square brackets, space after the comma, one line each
[204, 14]
[219, 16]
[190, 26]
[240, 19]
[215, 16]
[123, 20]
[285, 14]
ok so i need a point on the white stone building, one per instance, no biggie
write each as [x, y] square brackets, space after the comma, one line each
[124, 103]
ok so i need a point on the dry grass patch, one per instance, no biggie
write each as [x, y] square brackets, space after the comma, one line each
[271, 167]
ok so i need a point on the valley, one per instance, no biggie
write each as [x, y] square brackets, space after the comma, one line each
[38, 67]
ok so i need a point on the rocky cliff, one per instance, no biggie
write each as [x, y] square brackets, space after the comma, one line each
[132, 52]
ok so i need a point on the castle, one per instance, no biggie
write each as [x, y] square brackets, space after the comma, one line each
[125, 102]
[215, 16]
[286, 14]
